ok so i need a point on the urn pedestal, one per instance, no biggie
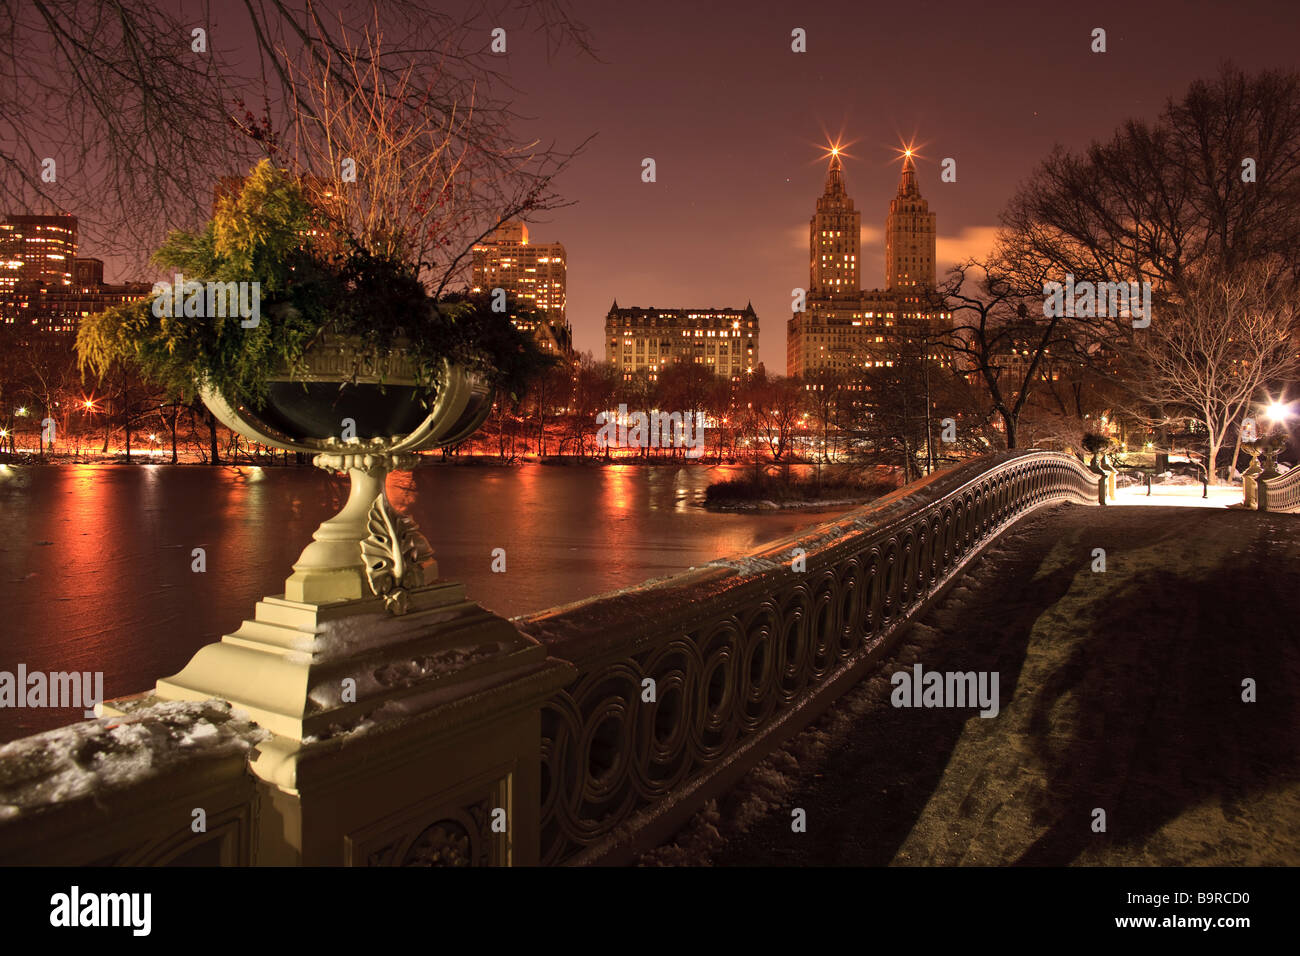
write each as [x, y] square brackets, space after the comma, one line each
[1250, 482]
[1103, 477]
[405, 717]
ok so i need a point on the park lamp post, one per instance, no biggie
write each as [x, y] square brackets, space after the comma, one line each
[88, 407]
[21, 412]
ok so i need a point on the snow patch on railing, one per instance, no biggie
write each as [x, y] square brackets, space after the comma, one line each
[93, 757]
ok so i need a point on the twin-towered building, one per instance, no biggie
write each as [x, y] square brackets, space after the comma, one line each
[842, 327]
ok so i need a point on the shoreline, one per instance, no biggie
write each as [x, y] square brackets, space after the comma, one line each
[475, 461]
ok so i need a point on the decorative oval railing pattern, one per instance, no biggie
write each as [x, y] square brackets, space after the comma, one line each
[681, 675]
[1281, 493]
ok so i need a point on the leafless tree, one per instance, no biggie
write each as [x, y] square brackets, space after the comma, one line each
[1001, 332]
[142, 115]
[413, 168]
[828, 396]
[1215, 179]
[774, 407]
[1213, 355]
[690, 389]
[593, 392]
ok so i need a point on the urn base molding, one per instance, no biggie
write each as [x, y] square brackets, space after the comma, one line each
[406, 739]
[311, 671]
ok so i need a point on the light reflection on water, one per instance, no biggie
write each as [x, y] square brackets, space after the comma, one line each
[95, 560]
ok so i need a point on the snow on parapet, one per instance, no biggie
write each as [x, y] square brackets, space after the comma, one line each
[93, 757]
[750, 565]
[898, 505]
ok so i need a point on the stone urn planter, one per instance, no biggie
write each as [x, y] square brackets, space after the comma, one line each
[363, 411]
[1101, 465]
[393, 700]
[1270, 448]
[364, 602]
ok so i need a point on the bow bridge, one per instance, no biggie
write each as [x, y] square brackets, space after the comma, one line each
[597, 732]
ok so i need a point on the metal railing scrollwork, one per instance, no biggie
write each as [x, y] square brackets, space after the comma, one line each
[681, 676]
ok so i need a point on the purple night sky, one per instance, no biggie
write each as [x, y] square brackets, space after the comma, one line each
[734, 121]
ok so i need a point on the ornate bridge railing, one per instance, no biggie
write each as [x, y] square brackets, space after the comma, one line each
[687, 681]
[1281, 493]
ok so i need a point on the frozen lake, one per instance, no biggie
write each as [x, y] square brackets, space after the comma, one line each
[95, 560]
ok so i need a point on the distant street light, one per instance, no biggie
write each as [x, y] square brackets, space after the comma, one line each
[1279, 411]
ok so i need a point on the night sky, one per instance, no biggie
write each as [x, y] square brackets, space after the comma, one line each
[733, 119]
[735, 122]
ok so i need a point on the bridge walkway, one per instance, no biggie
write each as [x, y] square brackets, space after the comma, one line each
[1119, 689]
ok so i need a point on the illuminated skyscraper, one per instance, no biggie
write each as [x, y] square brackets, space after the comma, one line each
[44, 286]
[834, 235]
[37, 249]
[535, 273]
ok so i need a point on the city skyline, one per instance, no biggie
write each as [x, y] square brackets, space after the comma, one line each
[733, 187]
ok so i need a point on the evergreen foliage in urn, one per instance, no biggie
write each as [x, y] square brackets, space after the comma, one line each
[1098, 443]
[313, 287]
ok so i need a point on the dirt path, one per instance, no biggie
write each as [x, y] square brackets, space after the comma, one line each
[1119, 690]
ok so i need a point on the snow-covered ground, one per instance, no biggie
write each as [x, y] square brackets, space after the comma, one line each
[1186, 494]
[1121, 691]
